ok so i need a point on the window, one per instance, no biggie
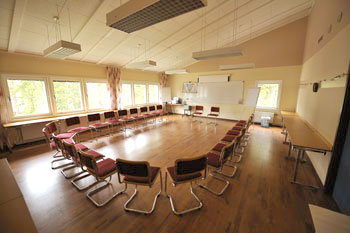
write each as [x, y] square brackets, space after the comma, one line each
[28, 97]
[153, 93]
[269, 96]
[98, 95]
[67, 96]
[126, 94]
[140, 93]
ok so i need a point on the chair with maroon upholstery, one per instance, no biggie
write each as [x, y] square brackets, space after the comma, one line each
[145, 114]
[234, 140]
[217, 158]
[124, 118]
[134, 113]
[97, 125]
[72, 150]
[112, 120]
[75, 121]
[214, 113]
[101, 170]
[51, 129]
[198, 111]
[153, 112]
[160, 111]
[138, 173]
[186, 171]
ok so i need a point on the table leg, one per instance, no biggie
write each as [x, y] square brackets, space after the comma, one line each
[302, 157]
[289, 151]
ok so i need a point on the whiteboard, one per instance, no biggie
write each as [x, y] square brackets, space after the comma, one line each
[166, 94]
[218, 93]
[252, 97]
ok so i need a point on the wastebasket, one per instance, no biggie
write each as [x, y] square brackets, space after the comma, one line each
[265, 120]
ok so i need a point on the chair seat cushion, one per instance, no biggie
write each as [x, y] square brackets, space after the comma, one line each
[213, 115]
[113, 122]
[105, 166]
[137, 116]
[237, 128]
[233, 132]
[98, 125]
[142, 180]
[229, 138]
[218, 147]
[242, 121]
[80, 146]
[175, 178]
[213, 159]
[126, 118]
[65, 135]
[79, 129]
[95, 154]
[69, 140]
[240, 124]
[197, 113]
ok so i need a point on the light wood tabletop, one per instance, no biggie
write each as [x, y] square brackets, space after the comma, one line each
[301, 134]
[326, 221]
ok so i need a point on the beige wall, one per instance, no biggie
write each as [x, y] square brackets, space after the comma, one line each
[323, 61]
[281, 47]
[288, 74]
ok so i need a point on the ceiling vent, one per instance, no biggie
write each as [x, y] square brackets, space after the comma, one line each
[216, 53]
[141, 64]
[62, 49]
[237, 66]
[135, 15]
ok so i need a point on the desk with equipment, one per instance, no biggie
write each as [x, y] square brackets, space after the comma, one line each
[302, 138]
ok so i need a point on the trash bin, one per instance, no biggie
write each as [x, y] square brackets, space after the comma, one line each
[265, 120]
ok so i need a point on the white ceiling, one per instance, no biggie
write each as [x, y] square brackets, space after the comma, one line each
[27, 26]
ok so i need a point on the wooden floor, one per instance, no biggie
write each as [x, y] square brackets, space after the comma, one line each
[260, 197]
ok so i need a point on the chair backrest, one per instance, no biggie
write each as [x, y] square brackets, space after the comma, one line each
[143, 109]
[122, 112]
[94, 117]
[215, 109]
[133, 111]
[59, 144]
[70, 149]
[159, 107]
[199, 108]
[139, 169]
[72, 121]
[88, 161]
[52, 127]
[109, 114]
[186, 167]
[151, 108]
[47, 134]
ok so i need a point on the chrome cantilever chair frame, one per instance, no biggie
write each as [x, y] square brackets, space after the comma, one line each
[58, 144]
[198, 172]
[145, 181]
[214, 113]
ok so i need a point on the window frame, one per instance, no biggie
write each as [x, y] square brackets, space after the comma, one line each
[132, 93]
[92, 80]
[278, 96]
[133, 104]
[8, 102]
[146, 93]
[82, 89]
[153, 83]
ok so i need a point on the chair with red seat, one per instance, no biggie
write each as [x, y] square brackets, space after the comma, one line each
[186, 171]
[124, 118]
[217, 158]
[75, 121]
[160, 111]
[138, 173]
[214, 113]
[97, 125]
[198, 111]
[144, 113]
[111, 119]
[153, 112]
[51, 129]
[101, 170]
[134, 113]
[235, 139]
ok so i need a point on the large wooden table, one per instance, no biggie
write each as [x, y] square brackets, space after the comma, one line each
[302, 138]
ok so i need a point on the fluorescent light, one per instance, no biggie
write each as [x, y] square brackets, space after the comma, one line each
[135, 15]
[237, 66]
[62, 49]
[141, 64]
[215, 53]
[181, 71]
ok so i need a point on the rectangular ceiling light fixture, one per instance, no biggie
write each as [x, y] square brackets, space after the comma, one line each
[181, 71]
[62, 49]
[216, 53]
[141, 64]
[135, 15]
[237, 66]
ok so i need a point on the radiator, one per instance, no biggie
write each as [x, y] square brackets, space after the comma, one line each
[258, 115]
